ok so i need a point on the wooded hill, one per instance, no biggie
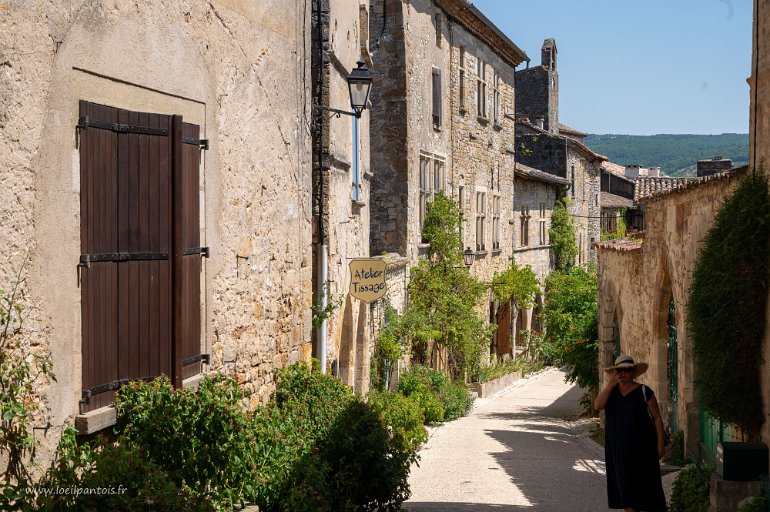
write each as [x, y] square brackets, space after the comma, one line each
[675, 154]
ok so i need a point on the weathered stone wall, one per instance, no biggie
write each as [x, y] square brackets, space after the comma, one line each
[530, 194]
[347, 219]
[532, 84]
[637, 281]
[713, 166]
[585, 205]
[482, 151]
[239, 70]
[390, 165]
[539, 150]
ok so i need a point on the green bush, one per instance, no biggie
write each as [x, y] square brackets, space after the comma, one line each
[128, 479]
[456, 400]
[756, 504]
[201, 439]
[403, 416]
[690, 492]
[676, 453]
[495, 371]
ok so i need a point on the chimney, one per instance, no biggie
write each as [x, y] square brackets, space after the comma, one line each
[539, 122]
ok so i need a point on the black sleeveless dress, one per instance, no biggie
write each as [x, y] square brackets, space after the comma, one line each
[631, 452]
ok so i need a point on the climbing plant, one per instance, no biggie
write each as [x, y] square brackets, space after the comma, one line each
[519, 283]
[562, 237]
[727, 306]
[444, 295]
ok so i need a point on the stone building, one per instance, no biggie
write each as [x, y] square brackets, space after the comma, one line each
[534, 196]
[616, 199]
[543, 143]
[643, 290]
[215, 99]
[342, 142]
[713, 166]
[572, 160]
[443, 111]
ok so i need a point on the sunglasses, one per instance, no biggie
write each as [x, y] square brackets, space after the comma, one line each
[624, 370]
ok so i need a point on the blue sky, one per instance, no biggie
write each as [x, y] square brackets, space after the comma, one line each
[640, 67]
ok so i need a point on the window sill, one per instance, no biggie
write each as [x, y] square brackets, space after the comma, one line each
[482, 120]
[436, 128]
[462, 110]
[105, 417]
[358, 204]
[481, 254]
[497, 127]
[496, 252]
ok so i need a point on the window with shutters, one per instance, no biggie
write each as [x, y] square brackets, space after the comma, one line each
[432, 180]
[543, 228]
[481, 219]
[524, 220]
[436, 97]
[424, 189]
[140, 257]
[462, 79]
[496, 222]
[495, 97]
[481, 88]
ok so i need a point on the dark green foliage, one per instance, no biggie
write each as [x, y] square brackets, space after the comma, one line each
[690, 492]
[403, 416]
[571, 314]
[315, 446]
[727, 306]
[562, 237]
[519, 283]
[126, 478]
[676, 453]
[756, 504]
[675, 154]
[495, 371]
[438, 398]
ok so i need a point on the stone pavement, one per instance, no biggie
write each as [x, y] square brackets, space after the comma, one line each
[517, 450]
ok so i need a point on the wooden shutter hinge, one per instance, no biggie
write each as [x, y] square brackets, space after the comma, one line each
[203, 251]
[201, 143]
[110, 386]
[206, 358]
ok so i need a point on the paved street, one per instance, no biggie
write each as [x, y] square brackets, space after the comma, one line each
[515, 451]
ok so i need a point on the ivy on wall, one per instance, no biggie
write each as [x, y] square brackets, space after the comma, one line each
[727, 305]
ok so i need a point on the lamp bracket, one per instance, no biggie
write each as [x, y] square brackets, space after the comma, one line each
[336, 112]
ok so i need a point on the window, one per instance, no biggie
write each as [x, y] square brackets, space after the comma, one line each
[481, 89]
[462, 78]
[495, 97]
[481, 218]
[432, 180]
[141, 260]
[572, 187]
[438, 29]
[524, 223]
[424, 189]
[356, 161]
[436, 97]
[461, 205]
[495, 222]
[543, 229]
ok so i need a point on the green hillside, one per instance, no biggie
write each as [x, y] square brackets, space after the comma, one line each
[675, 154]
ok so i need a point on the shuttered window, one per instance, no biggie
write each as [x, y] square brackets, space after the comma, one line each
[436, 97]
[140, 249]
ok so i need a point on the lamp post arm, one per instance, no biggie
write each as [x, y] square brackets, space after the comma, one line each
[336, 112]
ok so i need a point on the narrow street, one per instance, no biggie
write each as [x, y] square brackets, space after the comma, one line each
[517, 450]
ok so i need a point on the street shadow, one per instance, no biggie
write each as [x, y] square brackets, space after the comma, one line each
[432, 506]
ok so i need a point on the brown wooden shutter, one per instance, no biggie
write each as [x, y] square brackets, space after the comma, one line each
[187, 256]
[140, 262]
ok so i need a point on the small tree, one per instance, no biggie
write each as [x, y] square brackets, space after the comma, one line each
[562, 236]
[444, 294]
[517, 283]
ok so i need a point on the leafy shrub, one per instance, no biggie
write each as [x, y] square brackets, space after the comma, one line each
[200, 438]
[421, 377]
[562, 237]
[456, 400]
[676, 454]
[127, 481]
[690, 492]
[495, 371]
[403, 416]
[571, 314]
[756, 504]
[730, 284]
[432, 410]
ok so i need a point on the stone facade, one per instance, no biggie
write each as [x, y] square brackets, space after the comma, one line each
[239, 70]
[538, 89]
[570, 159]
[637, 283]
[346, 195]
[433, 134]
[713, 166]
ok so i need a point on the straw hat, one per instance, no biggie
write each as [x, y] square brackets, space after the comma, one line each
[624, 361]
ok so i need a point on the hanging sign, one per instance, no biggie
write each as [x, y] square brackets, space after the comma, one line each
[367, 279]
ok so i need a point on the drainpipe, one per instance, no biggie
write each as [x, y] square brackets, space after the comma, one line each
[322, 250]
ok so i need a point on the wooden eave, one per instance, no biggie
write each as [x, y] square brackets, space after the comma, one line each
[464, 13]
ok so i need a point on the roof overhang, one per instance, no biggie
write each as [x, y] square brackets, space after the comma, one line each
[467, 15]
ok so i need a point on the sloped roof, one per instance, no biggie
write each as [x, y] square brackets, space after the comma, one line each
[620, 244]
[653, 188]
[592, 155]
[526, 172]
[612, 201]
[613, 168]
[566, 130]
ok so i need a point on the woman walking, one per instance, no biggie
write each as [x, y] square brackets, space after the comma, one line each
[633, 439]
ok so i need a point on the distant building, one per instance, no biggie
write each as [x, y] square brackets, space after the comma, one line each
[637, 171]
[713, 166]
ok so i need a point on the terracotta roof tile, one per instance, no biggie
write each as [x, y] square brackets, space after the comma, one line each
[620, 244]
[612, 201]
[652, 188]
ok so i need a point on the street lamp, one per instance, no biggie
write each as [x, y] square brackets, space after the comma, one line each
[468, 257]
[359, 84]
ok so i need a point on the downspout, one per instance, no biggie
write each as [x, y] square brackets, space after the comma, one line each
[322, 250]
